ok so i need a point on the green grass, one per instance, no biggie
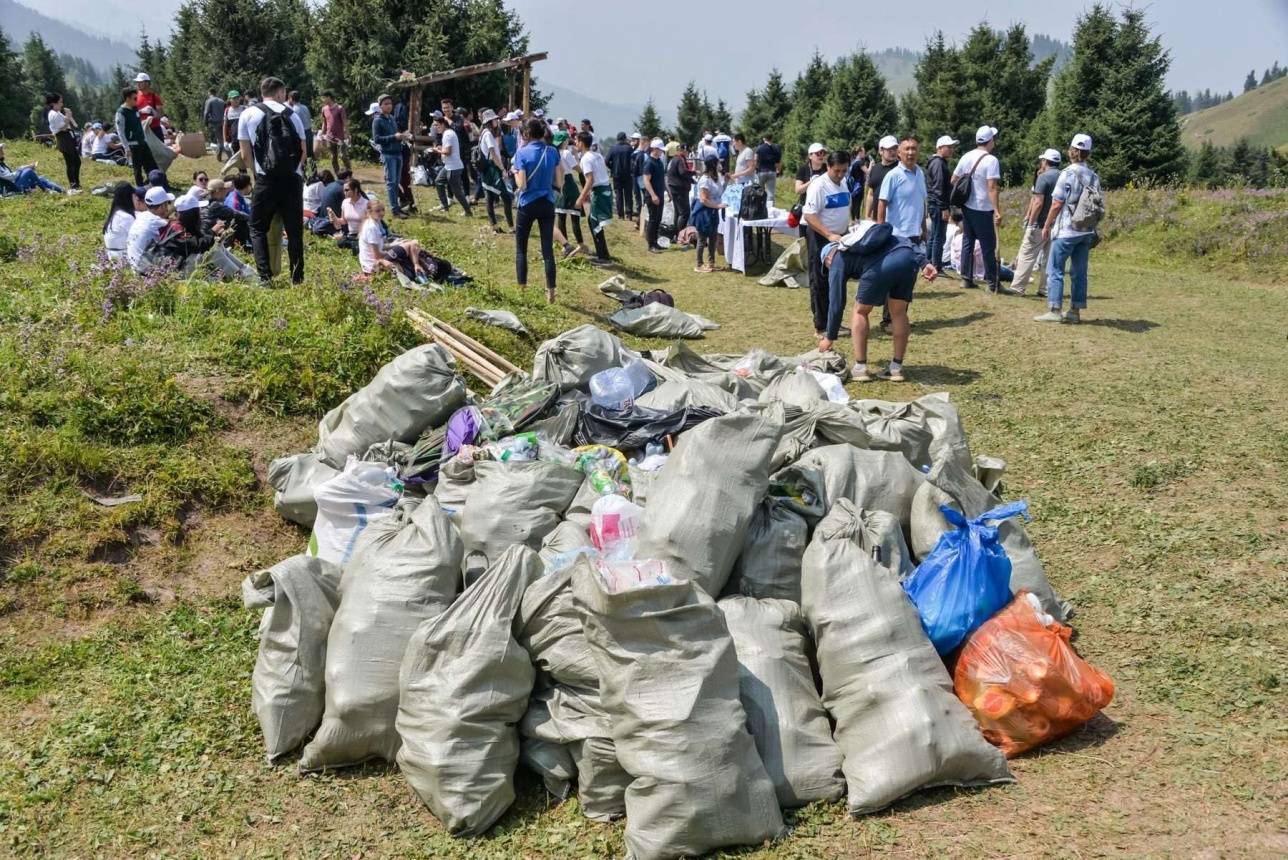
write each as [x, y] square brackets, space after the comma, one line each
[1260, 115]
[1148, 441]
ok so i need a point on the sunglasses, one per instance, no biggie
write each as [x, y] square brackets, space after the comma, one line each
[203, 179]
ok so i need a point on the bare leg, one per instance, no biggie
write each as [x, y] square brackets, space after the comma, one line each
[859, 332]
[900, 325]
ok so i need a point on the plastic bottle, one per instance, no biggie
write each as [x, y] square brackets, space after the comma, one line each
[612, 389]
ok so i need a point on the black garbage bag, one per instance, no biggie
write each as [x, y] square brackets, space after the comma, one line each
[633, 428]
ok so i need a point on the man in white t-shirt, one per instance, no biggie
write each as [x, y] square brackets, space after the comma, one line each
[279, 178]
[827, 214]
[598, 191]
[453, 179]
[744, 167]
[982, 214]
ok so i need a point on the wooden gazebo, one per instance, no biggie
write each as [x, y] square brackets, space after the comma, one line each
[514, 66]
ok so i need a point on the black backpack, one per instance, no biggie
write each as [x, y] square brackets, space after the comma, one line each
[477, 160]
[755, 203]
[277, 143]
[960, 194]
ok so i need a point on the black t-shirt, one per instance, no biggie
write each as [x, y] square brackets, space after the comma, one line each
[804, 174]
[655, 170]
[678, 175]
[767, 157]
[876, 175]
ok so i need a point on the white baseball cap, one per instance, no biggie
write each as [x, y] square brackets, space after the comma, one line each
[374, 109]
[635, 135]
[816, 147]
[141, 77]
[1050, 155]
[96, 126]
[657, 143]
[706, 137]
[946, 140]
[888, 142]
[538, 113]
[985, 133]
[1082, 141]
[186, 203]
[157, 195]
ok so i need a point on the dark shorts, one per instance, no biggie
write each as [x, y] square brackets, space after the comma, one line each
[891, 278]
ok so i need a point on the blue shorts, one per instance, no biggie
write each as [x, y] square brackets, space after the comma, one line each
[892, 277]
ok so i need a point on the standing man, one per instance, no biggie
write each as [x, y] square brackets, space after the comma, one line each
[815, 165]
[827, 214]
[389, 140]
[453, 180]
[638, 154]
[598, 190]
[679, 184]
[982, 214]
[130, 130]
[902, 198]
[619, 166]
[306, 117]
[212, 113]
[939, 187]
[654, 192]
[724, 147]
[271, 139]
[769, 160]
[1069, 241]
[744, 168]
[61, 127]
[1031, 260]
[889, 149]
[233, 108]
[149, 100]
[335, 130]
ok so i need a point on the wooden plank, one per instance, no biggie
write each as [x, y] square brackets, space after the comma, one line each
[468, 71]
[527, 86]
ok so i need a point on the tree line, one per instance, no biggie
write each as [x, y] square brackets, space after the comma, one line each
[1273, 73]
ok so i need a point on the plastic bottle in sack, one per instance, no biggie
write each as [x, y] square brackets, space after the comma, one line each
[617, 387]
[614, 526]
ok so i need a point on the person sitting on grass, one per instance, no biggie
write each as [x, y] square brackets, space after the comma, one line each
[377, 252]
[217, 209]
[147, 227]
[239, 197]
[1004, 273]
[127, 201]
[20, 180]
[353, 211]
[193, 249]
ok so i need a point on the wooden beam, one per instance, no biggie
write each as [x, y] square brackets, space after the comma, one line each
[468, 71]
[527, 86]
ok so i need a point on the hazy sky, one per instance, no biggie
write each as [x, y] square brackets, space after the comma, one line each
[624, 52]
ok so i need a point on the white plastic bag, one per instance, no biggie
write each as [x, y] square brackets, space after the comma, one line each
[347, 504]
[831, 385]
[615, 525]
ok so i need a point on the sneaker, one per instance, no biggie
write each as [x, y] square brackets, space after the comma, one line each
[657, 250]
[892, 374]
[1071, 316]
[600, 262]
[1011, 291]
[969, 285]
[1052, 315]
[1042, 293]
[859, 373]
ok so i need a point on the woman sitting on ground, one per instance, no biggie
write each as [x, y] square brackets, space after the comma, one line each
[20, 180]
[353, 211]
[187, 242]
[217, 209]
[126, 203]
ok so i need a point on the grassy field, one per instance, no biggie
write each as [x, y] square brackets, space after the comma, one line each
[1260, 115]
[1150, 442]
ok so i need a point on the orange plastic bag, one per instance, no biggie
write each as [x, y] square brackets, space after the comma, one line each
[1023, 681]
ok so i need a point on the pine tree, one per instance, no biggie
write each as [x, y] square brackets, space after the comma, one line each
[777, 102]
[1250, 82]
[1183, 103]
[42, 75]
[858, 108]
[1265, 77]
[721, 118]
[1014, 98]
[689, 116]
[14, 96]
[808, 92]
[942, 102]
[708, 113]
[753, 122]
[649, 123]
[1205, 169]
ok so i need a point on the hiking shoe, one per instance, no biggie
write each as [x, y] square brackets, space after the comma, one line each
[1071, 316]
[1052, 315]
[891, 374]
[1011, 291]
[860, 373]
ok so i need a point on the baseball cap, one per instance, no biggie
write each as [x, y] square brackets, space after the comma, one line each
[816, 147]
[888, 142]
[657, 143]
[185, 203]
[1082, 141]
[156, 177]
[560, 137]
[374, 109]
[946, 140]
[141, 77]
[635, 135]
[539, 113]
[707, 138]
[157, 196]
[234, 94]
[438, 114]
[1051, 155]
[985, 133]
[96, 126]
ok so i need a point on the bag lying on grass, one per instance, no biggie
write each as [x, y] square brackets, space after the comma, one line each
[872, 480]
[576, 718]
[498, 318]
[789, 270]
[299, 596]
[949, 483]
[770, 562]
[1024, 682]
[671, 395]
[669, 684]
[347, 504]
[573, 357]
[966, 578]
[659, 320]
[517, 502]
[405, 571]
[464, 686]
[898, 724]
[295, 478]
[784, 711]
[703, 499]
[417, 390]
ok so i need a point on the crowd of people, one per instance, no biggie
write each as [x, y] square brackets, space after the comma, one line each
[880, 221]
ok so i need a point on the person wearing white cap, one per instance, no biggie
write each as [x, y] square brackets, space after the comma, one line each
[939, 185]
[147, 226]
[1032, 257]
[982, 213]
[815, 164]
[654, 175]
[148, 98]
[1071, 228]
[493, 174]
[888, 147]
[189, 245]
[707, 149]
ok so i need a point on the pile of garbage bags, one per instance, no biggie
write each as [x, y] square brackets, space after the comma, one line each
[692, 590]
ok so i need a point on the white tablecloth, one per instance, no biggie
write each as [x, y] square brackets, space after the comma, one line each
[731, 230]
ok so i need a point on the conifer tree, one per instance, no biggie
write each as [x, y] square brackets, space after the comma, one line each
[808, 92]
[649, 123]
[15, 99]
[858, 109]
[689, 117]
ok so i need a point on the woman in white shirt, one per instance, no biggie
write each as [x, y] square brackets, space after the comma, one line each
[348, 221]
[706, 215]
[374, 247]
[120, 218]
[62, 126]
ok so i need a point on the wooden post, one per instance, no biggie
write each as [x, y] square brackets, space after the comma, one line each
[509, 78]
[413, 109]
[527, 86]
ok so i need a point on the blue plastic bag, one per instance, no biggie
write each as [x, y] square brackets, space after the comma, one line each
[965, 579]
